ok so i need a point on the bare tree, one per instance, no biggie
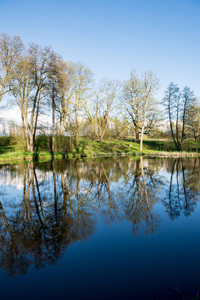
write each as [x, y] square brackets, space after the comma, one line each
[150, 84]
[82, 78]
[10, 52]
[188, 101]
[28, 85]
[178, 106]
[98, 112]
[193, 121]
[20, 89]
[39, 66]
[131, 100]
[138, 100]
[54, 70]
[66, 93]
[171, 102]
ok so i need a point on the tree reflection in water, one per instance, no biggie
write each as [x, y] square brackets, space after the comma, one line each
[62, 201]
[183, 187]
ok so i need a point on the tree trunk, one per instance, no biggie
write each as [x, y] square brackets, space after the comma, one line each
[53, 123]
[32, 121]
[141, 138]
[77, 129]
[143, 123]
[77, 137]
[27, 138]
[171, 128]
[55, 194]
[31, 140]
[62, 125]
[137, 137]
[195, 137]
[23, 133]
[36, 120]
[183, 124]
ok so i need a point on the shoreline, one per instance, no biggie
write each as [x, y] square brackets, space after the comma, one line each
[35, 156]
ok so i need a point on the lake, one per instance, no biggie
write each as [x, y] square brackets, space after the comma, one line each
[111, 228]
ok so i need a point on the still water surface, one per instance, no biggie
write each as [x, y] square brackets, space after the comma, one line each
[102, 229]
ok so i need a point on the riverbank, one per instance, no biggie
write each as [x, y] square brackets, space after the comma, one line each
[88, 148]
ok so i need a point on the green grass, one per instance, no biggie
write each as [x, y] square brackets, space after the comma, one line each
[89, 148]
[110, 147]
[15, 154]
[149, 146]
[168, 145]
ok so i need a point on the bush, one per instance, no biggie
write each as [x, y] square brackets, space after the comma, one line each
[4, 140]
[62, 143]
[42, 143]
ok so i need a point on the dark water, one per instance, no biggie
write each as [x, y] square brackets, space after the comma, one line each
[104, 229]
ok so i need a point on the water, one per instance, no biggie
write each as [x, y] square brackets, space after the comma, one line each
[102, 229]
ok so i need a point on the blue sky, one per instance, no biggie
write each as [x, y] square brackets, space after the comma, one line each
[113, 37]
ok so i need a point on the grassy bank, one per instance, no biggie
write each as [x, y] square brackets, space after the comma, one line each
[88, 148]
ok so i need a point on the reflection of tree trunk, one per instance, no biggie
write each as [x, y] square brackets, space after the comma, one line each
[103, 180]
[137, 172]
[136, 178]
[14, 244]
[34, 196]
[5, 221]
[26, 194]
[108, 187]
[65, 190]
[25, 191]
[78, 198]
[29, 200]
[55, 193]
[170, 185]
[184, 186]
[103, 172]
[143, 180]
[196, 165]
[177, 171]
[38, 190]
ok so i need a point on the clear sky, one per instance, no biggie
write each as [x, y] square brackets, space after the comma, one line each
[113, 37]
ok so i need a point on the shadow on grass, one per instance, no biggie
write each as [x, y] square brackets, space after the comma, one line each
[6, 149]
[188, 146]
[160, 145]
[80, 148]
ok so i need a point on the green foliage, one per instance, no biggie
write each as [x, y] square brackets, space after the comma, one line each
[82, 146]
[157, 134]
[63, 143]
[11, 143]
[42, 143]
[163, 145]
[4, 140]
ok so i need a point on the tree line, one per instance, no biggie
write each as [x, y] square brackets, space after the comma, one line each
[39, 81]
